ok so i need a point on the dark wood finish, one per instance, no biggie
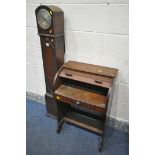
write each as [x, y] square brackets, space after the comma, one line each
[50, 105]
[90, 68]
[53, 48]
[84, 122]
[87, 77]
[83, 92]
[85, 98]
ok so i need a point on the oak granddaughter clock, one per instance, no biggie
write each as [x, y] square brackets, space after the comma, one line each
[50, 24]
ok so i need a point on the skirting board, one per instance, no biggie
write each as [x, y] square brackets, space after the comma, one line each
[113, 122]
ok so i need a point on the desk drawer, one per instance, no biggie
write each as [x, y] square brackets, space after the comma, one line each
[87, 78]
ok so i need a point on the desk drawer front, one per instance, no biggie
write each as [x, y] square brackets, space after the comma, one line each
[87, 78]
[80, 103]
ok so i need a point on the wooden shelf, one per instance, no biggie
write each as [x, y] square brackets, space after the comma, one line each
[84, 122]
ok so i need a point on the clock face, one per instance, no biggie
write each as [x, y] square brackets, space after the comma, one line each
[44, 19]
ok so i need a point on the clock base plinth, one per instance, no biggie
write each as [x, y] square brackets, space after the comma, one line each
[51, 106]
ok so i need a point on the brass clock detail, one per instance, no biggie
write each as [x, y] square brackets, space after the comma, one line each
[50, 24]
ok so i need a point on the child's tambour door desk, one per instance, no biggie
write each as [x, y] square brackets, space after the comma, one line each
[83, 93]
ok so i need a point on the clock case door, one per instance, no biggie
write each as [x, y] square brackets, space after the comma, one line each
[53, 48]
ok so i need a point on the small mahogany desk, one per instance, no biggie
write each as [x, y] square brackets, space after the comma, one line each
[83, 93]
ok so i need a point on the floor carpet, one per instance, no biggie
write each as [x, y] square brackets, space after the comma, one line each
[42, 138]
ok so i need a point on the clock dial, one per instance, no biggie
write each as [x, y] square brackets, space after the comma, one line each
[44, 19]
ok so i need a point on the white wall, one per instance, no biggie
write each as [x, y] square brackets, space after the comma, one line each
[96, 31]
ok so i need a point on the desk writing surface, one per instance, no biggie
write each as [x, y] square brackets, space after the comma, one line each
[82, 95]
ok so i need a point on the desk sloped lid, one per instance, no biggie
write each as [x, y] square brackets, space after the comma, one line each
[90, 68]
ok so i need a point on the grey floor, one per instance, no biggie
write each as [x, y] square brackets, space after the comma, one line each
[42, 138]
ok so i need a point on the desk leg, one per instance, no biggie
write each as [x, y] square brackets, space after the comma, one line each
[60, 124]
[102, 136]
[101, 143]
[60, 117]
